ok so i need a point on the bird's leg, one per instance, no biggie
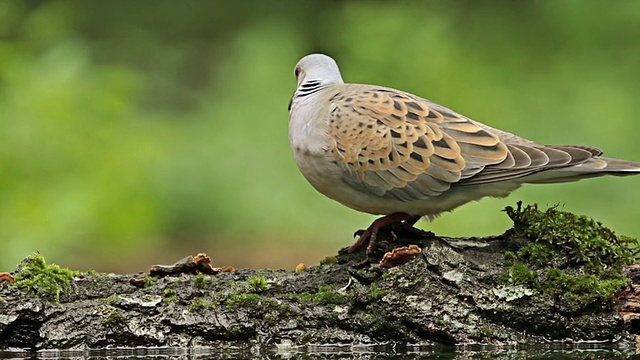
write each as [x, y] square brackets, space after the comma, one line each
[371, 233]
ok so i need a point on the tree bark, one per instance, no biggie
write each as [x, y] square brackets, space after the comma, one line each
[452, 292]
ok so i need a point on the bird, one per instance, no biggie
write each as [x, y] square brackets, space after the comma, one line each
[388, 152]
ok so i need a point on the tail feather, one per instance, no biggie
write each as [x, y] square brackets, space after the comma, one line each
[594, 167]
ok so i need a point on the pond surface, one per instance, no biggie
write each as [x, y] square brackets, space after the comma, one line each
[252, 351]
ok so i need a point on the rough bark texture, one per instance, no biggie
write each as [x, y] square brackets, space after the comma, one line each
[449, 294]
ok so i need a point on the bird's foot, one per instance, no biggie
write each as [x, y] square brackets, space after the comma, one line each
[370, 235]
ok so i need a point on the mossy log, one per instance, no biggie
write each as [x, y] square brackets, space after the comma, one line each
[521, 287]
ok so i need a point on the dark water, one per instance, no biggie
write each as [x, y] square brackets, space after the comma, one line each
[249, 351]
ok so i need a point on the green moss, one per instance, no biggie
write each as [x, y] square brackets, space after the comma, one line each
[42, 280]
[236, 331]
[169, 292]
[575, 291]
[483, 332]
[92, 273]
[377, 293]
[364, 295]
[327, 296]
[257, 285]
[243, 300]
[201, 281]
[374, 322]
[572, 259]
[284, 308]
[509, 258]
[169, 296]
[328, 260]
[520, 274]
[270, 310]
[111, 300]
[566, 239]
[270, 319]
[321, 269]
[198, 304]
[113, 318]
[170, 299]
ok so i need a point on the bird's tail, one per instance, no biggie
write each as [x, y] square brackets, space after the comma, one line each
[593, 167]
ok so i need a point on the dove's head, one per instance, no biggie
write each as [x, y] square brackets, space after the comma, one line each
[317, 67]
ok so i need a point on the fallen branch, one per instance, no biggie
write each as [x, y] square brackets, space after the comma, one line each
[522, 287]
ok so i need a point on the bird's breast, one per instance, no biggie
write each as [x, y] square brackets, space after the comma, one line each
[308, 125]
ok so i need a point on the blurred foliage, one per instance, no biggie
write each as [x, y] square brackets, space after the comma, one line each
[135, 133]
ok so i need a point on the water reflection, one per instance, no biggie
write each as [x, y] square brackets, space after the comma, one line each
[254, 351]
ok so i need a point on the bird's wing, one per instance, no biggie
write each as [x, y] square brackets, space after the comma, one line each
[396, 145]
[527, 159]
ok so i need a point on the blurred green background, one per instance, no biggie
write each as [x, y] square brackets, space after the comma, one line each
[136, 133]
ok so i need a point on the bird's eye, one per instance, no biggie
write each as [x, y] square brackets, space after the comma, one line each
[297, 71]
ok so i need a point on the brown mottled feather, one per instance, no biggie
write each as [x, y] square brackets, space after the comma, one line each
[387, 140]
[397, 145]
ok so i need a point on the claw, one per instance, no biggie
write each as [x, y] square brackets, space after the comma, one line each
[371, 233]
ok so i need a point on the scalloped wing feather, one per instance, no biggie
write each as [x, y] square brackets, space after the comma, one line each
[396, 145]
